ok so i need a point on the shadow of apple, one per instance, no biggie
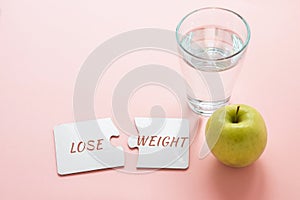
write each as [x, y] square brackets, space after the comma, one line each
[238, 183]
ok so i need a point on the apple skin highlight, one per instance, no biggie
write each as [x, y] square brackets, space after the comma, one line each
[236, 136]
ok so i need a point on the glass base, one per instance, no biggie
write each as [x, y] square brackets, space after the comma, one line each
[206, 108]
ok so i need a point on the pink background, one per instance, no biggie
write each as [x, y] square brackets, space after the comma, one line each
[43, 45]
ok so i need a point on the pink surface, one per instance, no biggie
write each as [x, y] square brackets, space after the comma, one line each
[43, 45]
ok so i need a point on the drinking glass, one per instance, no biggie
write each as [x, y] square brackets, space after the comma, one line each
[212, 42]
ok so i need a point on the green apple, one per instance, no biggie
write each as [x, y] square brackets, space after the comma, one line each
[236, 135]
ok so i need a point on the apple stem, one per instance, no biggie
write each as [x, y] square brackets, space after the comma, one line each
[236, 114]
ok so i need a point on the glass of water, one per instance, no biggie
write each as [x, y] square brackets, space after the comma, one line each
[212, 42]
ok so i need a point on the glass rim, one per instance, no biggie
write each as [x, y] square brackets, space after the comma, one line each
[214, 8]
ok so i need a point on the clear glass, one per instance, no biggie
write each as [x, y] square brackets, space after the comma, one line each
[212, 42]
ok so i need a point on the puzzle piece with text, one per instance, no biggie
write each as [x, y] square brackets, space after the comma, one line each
[162, 143]
[85, 146]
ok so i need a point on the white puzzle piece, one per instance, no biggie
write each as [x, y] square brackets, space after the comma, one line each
[162, 143]
[85, 146]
